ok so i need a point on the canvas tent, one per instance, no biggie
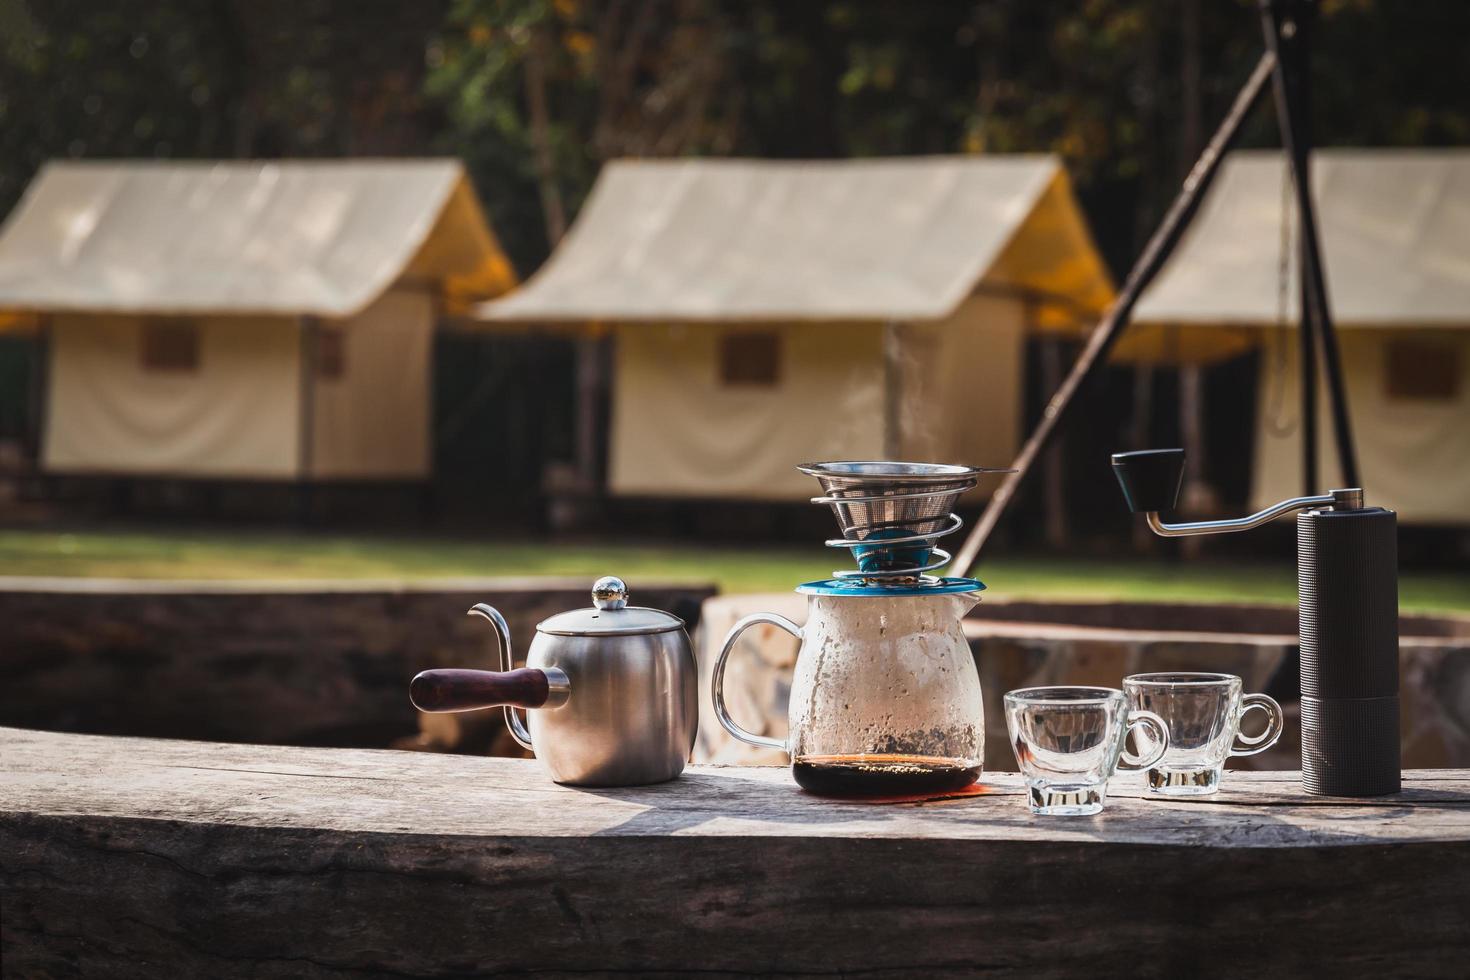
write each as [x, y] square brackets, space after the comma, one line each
[1395, 234]
[243, 320]
[765, 313]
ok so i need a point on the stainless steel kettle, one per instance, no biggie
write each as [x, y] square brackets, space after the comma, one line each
[612, 691]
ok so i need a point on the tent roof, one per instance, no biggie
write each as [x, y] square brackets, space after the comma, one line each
[1394, 227]
[875, 239]
[290, 237]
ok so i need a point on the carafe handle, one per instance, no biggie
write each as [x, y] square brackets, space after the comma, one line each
[717, 684]
[518, 730]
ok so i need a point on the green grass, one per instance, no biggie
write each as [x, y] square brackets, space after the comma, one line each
[276, 555]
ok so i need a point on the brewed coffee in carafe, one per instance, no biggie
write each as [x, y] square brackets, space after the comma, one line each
[878, 776]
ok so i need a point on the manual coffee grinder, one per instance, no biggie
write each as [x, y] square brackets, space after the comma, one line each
[1347, 589]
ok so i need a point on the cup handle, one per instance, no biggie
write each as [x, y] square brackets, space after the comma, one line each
[717, 683]
[1159, 738]
[1274, 723]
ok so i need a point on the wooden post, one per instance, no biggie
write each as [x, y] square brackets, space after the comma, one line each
[306, 415]
[1192, 433]
[40, 381]
[589, 429]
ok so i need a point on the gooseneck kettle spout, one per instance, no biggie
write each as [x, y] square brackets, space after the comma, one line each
[449, 689]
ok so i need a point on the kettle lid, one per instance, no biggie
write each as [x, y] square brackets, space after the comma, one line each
[610, 615]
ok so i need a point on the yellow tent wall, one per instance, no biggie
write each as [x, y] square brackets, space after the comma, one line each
[234, 416]
[1413, 453]
[679, 431]
[239, 414]
[962, 384]
[372, 422]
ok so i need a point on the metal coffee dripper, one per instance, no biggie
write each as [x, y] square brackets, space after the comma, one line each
[892, 515]
[885, 697]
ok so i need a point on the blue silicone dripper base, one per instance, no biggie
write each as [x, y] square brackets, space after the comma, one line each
[858, 587]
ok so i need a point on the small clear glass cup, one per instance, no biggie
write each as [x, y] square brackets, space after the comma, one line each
[1203, 712]
[1068, 741]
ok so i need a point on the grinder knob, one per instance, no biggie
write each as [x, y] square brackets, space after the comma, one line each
[1150, 478]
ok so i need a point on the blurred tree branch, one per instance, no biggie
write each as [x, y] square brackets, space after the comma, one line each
[551, 203]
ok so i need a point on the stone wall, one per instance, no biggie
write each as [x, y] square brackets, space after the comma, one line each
[1026, 644]
[329, 663]
[299, 664]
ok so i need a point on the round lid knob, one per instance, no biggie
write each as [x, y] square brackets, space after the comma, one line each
[609, 592]
[610, 616]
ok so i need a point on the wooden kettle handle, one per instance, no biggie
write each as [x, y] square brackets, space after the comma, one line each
[468, 690]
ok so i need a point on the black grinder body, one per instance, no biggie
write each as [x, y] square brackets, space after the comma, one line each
[1347, 589]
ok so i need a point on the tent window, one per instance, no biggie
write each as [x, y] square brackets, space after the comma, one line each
[1423, 370]
[750, 359]
[170, 345]
[331, 353]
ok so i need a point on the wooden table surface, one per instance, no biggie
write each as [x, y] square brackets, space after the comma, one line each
[140, 857]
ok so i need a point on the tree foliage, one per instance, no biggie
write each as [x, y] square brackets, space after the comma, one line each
[223, 78]
[537, 94]
[1125, 90]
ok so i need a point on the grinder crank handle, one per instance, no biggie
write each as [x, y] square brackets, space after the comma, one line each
[1150, 478]
[469, 690]
[1150, 481]
[518, 727]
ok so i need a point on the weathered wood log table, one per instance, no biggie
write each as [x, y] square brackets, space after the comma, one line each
[134, 857]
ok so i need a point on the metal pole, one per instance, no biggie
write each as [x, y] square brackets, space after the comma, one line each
[1307, 373]
[306, 418]
[1281, 36]
[40, 381]
[1110, 327]
[589, 428]
[1287, 25]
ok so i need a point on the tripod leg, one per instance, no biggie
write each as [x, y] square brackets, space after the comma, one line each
[1287, 25]
[1113, 322]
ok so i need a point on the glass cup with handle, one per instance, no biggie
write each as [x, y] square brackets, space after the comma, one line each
[1068, 741]
[1203, 712]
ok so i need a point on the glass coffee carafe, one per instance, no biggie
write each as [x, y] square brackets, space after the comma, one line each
[885, 697]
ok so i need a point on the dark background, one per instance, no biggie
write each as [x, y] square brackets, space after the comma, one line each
[534, 95]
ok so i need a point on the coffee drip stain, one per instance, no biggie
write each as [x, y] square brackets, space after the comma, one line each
[886, 778]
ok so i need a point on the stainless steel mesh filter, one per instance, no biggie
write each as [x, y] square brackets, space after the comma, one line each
[892, 513]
